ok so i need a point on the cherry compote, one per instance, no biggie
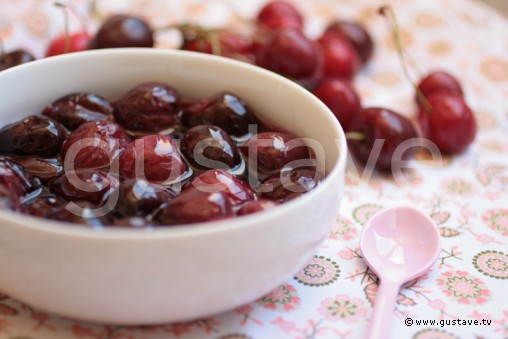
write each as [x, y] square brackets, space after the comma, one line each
[150, 158]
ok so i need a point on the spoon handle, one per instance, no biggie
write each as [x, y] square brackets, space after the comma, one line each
[386, 299]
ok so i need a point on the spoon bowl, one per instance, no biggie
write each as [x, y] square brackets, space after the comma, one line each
[399, 244]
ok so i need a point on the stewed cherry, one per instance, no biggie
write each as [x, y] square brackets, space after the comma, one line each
[148, 107]
[290, 184]
[75, 109]
[269, 152]
[140, 198]
[154, 158]
[34, 135]
[208, 146]
[237, 191]
[17, 180]
[95, 145]
[224, 110]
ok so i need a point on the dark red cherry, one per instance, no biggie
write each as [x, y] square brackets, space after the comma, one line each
[149, 107]
[154, 158]
[357, 35]
[17, 179]
[279, 14]
[15, 58]
[208, 146]
[269, 152]
[439, 82]
[236, 190]
[8, 201]
[75, 109]
[85, 214]
[290, 53]
[387, 126]
[123, 31]
[140, 198]
[448, 122]
[224, 110]
[34, 135]
[287, 185]
[257, 206]
[85, 185]
[44, 169]
[340, 57]
[194, 205]
[94, 144]
[45, 205]
[340, 97]
[76, 42]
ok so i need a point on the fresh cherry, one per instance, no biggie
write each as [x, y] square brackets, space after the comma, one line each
[34, 135]
[279, 14]
[44, 169]
[340, 97]
[85, 185]
[194, 205]
[236, 190]
[269, 152]
[448, 122]
[439, 82]
[94, 144]
[287, 185]
[290, 53]
[154, 158]
[208, 146]
[76, 42]
[140, 198]
[382, 125]
[75, 109]
[148, 107]
[123, 31]
[224, 110]
[17, 180]
[341, 60]
[257, 206]
[357, 35]
[14, 58]
[223, 43]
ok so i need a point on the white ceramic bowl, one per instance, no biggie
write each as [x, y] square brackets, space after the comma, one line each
[171, 273]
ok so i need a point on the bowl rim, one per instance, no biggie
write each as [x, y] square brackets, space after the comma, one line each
[178, 231]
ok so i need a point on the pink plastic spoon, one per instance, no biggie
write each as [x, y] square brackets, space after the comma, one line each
[399, 244]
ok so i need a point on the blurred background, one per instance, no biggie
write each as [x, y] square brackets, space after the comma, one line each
[502, 5]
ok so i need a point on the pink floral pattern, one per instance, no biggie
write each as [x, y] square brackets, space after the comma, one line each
[464, 288]
[343, 308]
[319, 271]
[497, 220]
[465, 195]
[492, 263]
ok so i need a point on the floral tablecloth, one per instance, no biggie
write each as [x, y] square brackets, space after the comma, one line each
[467, 196]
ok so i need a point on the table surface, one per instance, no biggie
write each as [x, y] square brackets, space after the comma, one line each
[466, 195]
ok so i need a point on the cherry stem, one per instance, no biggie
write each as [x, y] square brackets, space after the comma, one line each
[391, 20]
[214, 41]
[355, 136]
[67, 45]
